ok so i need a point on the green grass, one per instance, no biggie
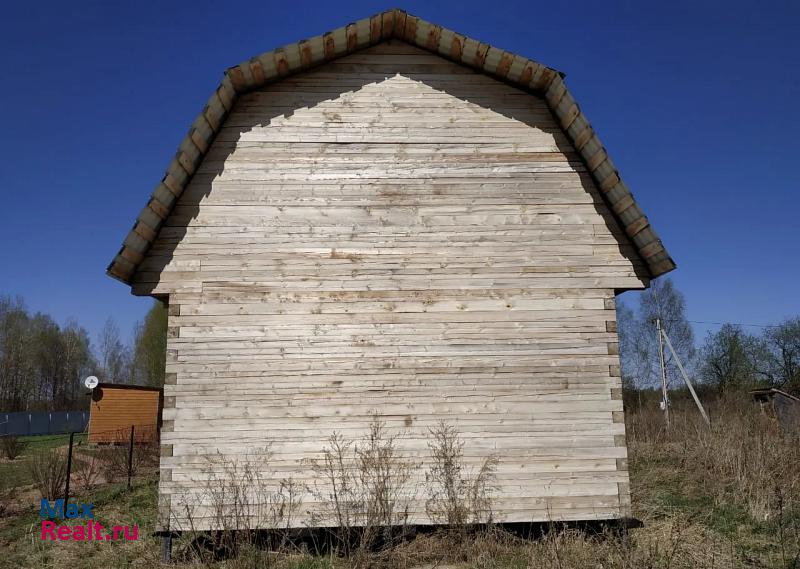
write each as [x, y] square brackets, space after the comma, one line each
[42, 442]
[112, 505]
[15, 472]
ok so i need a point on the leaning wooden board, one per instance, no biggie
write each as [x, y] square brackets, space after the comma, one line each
[395, 233]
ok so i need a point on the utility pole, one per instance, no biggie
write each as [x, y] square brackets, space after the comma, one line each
[664, 394]
[686, 379]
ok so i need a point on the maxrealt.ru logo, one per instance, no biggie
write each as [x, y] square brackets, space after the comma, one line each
[91, 531]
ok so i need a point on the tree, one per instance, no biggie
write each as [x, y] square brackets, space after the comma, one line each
[781, 367]
[634, 354]
[77, 359]
[113, 355]
[15, 359]
[40, 362]
[639, 354]
[150, 347]
[729, 358]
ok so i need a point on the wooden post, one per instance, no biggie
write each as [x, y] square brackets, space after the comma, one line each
[69, 469]
[686, 378]
[664, 394]
[130, 458]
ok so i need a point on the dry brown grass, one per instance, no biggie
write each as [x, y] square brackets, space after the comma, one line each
[744, 456]
[738, 479]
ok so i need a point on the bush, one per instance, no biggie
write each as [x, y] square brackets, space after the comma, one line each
[115, 459]
[13, 446]
[115, 462]
[87, 469]
[48, 470]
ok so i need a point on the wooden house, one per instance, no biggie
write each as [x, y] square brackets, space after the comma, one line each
[395, 218]
[115, 408]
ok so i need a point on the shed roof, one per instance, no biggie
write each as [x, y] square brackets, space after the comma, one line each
[275, 65]
[107, 385]
[772, 392]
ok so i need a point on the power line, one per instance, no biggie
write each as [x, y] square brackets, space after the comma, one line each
[723, 323]
[736, 323]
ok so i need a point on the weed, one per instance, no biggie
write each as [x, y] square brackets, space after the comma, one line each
[457, 497]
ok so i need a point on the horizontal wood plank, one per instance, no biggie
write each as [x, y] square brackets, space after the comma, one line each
[394, 234]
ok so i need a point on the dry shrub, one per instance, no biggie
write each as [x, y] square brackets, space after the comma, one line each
[115, 459]
[364, 489]
[146, 454]
[244, 496]
[456, 496]
[48, 470]
[115, 462]
[240, 499]
[12, 446]
[87, 470]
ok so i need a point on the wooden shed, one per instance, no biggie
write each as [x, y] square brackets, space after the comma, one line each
[395, 218]
[116, 408]
[784, 407]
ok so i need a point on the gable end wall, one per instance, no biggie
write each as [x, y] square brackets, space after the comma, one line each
[394, 233]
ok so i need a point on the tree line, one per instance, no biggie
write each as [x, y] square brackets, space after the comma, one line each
[732, 358]
[43, 364]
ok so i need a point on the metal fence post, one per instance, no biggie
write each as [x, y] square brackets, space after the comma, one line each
[130, 458]
[69, 470]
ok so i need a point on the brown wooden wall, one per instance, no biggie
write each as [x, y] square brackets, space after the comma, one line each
[393, 233]
[115, 409]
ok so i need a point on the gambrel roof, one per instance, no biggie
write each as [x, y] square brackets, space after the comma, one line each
[275, 65]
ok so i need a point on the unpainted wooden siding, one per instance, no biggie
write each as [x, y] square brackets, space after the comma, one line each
[393, 233]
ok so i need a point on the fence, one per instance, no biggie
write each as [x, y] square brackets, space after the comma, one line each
[142, 434]
[140, 448]
[43, 422]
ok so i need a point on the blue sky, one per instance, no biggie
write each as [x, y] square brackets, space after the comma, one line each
[697, 103]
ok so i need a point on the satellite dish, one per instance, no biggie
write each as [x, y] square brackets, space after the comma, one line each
[91, 382]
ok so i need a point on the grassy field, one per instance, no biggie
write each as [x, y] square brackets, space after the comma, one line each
[709, 498]
[15, 472]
